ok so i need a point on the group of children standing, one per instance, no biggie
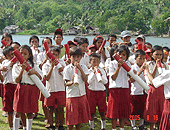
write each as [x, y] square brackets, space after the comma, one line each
[126, 98]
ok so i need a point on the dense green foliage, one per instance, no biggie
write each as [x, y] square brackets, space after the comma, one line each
[111, 16]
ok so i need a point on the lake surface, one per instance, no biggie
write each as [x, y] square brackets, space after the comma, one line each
[24, 39]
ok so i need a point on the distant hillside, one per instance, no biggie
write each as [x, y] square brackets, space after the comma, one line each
[110, 16]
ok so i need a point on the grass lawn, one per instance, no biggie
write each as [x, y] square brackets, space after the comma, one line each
[38, 124]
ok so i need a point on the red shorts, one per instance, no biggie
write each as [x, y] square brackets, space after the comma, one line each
[97, 98]
[58, 98]
[8, 97]
[1, 90]
[136, 102]
[154, 104]
[119, 103]
[26, 99]
[165, 119]
[77, 110]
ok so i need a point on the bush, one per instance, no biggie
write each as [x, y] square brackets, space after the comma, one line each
[29, 32]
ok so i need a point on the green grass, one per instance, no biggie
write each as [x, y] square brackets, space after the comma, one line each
[38, 124]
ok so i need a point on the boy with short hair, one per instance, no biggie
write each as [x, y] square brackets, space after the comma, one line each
[137, 96]
[92, 49]
[55, 85]
[112, 40]
[9, 84]
[96, 95]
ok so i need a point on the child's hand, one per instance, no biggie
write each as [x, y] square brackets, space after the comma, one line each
[120, 62]
[98, 70]
[145, 66]
[77, 65]
[31, 72]
[4, 68]
[134, 71]
[164, 66]
[53, 63]
[157, 60]
[24, 65]
[68, 60]
[102, 51]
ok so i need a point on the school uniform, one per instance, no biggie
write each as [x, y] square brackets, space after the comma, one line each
[137, 95]
[155, 98]
[85, 60]
[34, 53]
[118, 104]
[55, 85]
[9, 88]
[26, 94]
[102, 63]
[132, 59]
[1, 87]
[96, 95]
[77, 107]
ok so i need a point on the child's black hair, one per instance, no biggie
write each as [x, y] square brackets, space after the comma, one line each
[55, 48]
[7, 49]
[6, 35]
[30, 59]
[133, 46]
[16, 43]
[156, 48]
[122, 48]
[148, 43]
[112, 35]
[166, 48]
[112, 51]
[96, 39]
[139, 52]
[84, 40]
[32, 37]
[47, 38]
[95, 55]
[75, 51]
[76, 39]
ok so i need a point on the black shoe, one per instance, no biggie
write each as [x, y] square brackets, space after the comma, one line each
[91, 129]
[142, 127]
[103, 129]
[61, 128]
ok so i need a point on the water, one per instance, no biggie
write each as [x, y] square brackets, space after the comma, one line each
[24, 39]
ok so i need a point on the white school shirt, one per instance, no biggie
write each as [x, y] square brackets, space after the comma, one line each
[94, 85]
[151, 67]
[40, 57]
[122, 78]
[132, 59]
[34, 53]
[7, 75]
[25, 77]
[107, 63]
[73, 91]
[56, 82]
[136, 89]
[85, 60]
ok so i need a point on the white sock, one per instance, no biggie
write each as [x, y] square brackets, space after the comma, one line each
[103, 124]
[121, 128]
[16, 123]
[141, 122]
[28, 124]
[91, 123]
[10, 128]
[132, 123]
[24, 128]
[113, 129]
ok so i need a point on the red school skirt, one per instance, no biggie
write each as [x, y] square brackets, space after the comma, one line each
[154, 104]
[77, 110]
[26, 98]
[136, 102]
[165, 119]
[1, 90]
[119, 103]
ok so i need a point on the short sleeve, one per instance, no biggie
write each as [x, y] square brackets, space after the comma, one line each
[66, 73]
[112, 67]
[45, 69]
[85, 69]
[15, 71]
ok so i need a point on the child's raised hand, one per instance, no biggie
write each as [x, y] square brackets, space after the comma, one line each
[31, 72]
[52, 62]
[157, 60]
[98, 70]
[24, 65]
[77, 65]
[120, 62]
[4, 68]
[145, 66]
[134, 71]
